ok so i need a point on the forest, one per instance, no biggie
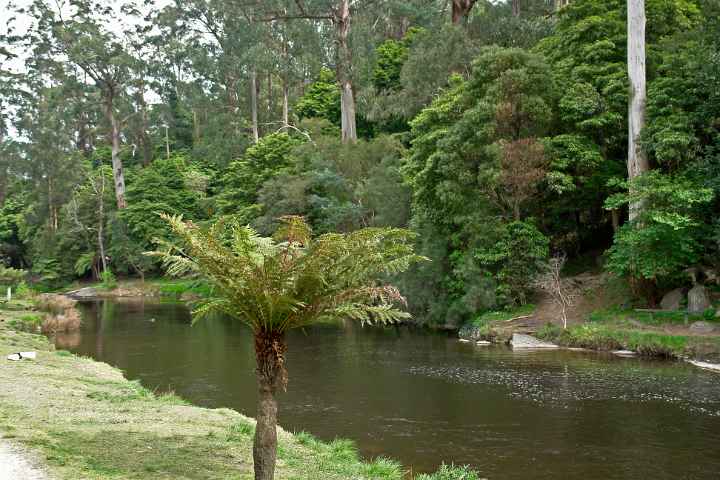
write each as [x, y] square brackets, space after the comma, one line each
[497, 131]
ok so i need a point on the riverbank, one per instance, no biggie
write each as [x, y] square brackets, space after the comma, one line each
[601, 320]
[89, 422]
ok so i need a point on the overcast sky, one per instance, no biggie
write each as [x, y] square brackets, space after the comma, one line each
[20, 23]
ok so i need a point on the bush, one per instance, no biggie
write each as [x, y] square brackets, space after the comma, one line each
[108, 280]
[663, 239]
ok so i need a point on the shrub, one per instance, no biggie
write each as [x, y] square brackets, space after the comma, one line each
[451, 472]
[61, 313]
[108, 280]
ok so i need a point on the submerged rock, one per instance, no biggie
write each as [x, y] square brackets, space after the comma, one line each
[672, 299]
[698, 299]
[702, 327]
[520, 340]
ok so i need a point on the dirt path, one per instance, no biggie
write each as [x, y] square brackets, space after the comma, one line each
[15, 464]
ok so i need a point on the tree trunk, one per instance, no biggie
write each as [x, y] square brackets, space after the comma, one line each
[637, 163]
[101, 241]
[147, 148]
[460, 10]
[269, 97]
[196, 127]
[344, 73]
[118, 176]
[560, 4]
[3, 184]
[254, 105]
[270, 350]
[167, 142]
[516, 8]
[286, 102]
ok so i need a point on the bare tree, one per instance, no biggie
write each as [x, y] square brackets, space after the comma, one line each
[560, 290]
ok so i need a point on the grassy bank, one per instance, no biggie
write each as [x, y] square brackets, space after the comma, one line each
[598, 336]
[86, 421]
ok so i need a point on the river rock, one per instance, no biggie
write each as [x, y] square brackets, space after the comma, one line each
[698, 299]
[672, 299]
[483, 343]
[520, 340]
[624, 353]
[715, 367]
[86, 292]
[702, 327]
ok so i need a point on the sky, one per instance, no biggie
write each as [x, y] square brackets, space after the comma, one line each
[21, 23]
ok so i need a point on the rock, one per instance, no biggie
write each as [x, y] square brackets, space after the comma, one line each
[483, 343]
[520, 340]
[672, 299]
[86, 292]
[706, 365]
[698, 299]
[464, 340]
[470, 333]
[624, 353]
[702, 327]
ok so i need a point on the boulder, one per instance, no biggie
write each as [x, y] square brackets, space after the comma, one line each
[86, 292]
[698, 299]
[520, 340]
[702, 327]
[672, 299]
[715, 367]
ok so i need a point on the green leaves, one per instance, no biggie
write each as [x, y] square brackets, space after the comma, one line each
[294, 280]
[664, 239]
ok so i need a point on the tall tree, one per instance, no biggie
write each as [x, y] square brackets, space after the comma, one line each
[637, 162]
[87, 43]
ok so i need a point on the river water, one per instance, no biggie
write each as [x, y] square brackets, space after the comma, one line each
[425, 398]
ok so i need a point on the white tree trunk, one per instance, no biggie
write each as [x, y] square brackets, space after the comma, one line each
[254, 105]
[344, 73]
[118, 175]
[637, 163]
[286, 103]
[560, 4]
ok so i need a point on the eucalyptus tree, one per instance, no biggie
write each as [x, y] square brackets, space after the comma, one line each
[637, 162]
[83, 35]
[290, 281]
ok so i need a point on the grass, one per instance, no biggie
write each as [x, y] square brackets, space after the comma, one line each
[628, 318]
[487, 318]
[85, 420]
[597, 336]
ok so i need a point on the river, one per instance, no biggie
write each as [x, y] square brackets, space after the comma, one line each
[425, 398]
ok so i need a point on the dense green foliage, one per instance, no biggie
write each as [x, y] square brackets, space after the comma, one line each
[498, 141]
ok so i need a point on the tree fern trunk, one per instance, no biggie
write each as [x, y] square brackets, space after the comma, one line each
[270, 357]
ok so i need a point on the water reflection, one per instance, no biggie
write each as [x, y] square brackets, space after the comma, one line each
[425, 398]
